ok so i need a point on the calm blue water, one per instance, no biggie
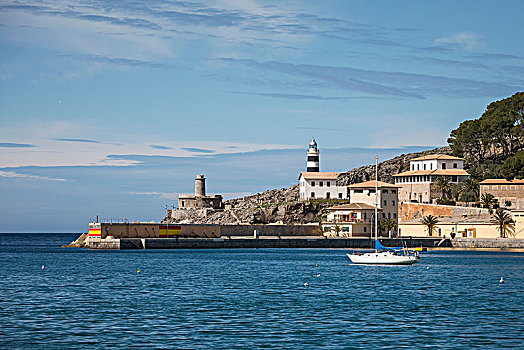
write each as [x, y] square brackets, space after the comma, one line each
[244, 299]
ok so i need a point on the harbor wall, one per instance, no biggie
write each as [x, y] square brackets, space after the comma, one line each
[268, 242]
[152, 230]
[488, 243]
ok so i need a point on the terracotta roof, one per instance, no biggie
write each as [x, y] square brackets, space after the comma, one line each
[371, 184]
[353, 206]
[502, 181]
[326, 175]
[437, 156]
[443, 172]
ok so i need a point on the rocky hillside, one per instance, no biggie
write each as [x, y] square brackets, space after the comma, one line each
[282, 205]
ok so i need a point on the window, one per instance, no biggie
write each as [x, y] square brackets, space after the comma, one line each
[358, 191]
[393, 203]
[383, 215]
[312, 158]
[365, 229]
[365, 215]
[394, 216]
[389, 216]
[371, 191]
[454, 178]
[340, 196]
[321, 183]
[455, 165]
[394, 191]
[312, 195]
[418, 166]
[444, 166]
[430, 166]
[424, 166]
[328, 184]
[385, 202]
[412, 166]
[328, 195]
[313, 183]
[384, 191]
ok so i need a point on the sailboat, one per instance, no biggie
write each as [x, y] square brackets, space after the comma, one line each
[383, 255]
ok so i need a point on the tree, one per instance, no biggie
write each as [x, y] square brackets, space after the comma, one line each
[387, 225]
[506, 224]
[430, 222]
[444, 184]
[469, 190]
[513, 167]
[498, 132]
[488, 200]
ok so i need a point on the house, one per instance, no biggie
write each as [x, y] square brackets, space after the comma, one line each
[358, 217]
[364, 192]
[419, 183]
[350, 220]
[321, 185]
[510, 194]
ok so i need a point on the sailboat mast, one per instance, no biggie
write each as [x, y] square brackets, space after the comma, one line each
[376, 198]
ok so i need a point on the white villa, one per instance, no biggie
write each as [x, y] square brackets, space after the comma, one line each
[418, 184]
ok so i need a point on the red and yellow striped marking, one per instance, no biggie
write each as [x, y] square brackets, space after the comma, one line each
[167, 231]
[95, 231]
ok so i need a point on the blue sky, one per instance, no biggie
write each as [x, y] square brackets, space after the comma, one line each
[112, 107]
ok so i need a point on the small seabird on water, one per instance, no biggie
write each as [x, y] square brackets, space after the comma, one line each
[502, 279]
[427, 268]
[306, 284]
[43, 267]
[318, 275]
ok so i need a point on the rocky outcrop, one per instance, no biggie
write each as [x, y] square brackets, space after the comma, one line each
[283, 206]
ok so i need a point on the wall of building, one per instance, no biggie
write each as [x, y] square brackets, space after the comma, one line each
[388, 202]
[335, 192]
[466, 230]
[506, 192]
[408, 211]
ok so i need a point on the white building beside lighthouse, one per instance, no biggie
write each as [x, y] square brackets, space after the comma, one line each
[316, 184]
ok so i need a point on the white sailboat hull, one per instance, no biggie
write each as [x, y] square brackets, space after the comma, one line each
[382, 258]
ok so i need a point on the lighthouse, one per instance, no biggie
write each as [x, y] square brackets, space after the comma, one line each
[312, 157]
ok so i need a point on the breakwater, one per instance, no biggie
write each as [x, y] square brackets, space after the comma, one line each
[263, 242]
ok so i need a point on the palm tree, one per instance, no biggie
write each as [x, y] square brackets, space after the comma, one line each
[444, 183]
[388, 225]
[488, 200]
[470, 187]
[430, 222]
[505, 222]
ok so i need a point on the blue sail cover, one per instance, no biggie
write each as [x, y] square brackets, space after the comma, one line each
[379, 246]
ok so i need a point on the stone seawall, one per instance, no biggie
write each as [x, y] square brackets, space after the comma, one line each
[488, 243]
[265, 242]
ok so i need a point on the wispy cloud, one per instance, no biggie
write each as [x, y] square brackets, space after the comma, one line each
[10, 174]
[78, 140]
[15, 145]
[160, 147]
[298, 96]
[166, 195]
[197, 150]
[467, 41]
[379, 83]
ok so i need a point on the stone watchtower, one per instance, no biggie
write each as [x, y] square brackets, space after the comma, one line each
[200, 186]
[313, 157]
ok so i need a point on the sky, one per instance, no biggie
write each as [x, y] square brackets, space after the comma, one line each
[111, 108]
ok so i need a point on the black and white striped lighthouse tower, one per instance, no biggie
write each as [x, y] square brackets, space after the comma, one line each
[312, 157]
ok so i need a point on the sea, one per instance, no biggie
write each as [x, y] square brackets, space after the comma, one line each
[253, 299]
